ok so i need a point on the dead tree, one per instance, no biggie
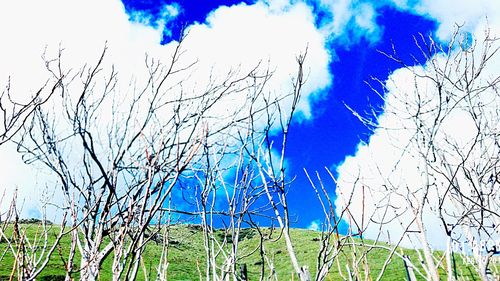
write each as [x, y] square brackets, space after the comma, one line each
[244, 181]
[446, 126]
[31, 254]
[28, 242]
[118, 153]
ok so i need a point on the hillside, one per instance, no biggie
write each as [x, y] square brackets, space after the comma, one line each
[187, 257]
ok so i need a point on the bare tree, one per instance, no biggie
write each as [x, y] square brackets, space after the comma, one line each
[271, 168]
[447, 126]
[31, 254]
[30, 243]
[239, 187]
[331, 243]
[249, 178]
[118, 154]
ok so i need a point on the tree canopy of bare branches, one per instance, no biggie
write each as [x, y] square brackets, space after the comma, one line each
[439, 174]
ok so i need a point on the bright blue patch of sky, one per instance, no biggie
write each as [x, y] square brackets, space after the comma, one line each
[191, 11]
[334, 132]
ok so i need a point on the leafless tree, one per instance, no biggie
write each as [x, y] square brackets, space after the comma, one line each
[30, 243]
[449, 121]
[243, 182]
[31, 254]
[118, 154]
[271, 168]
[331, 242]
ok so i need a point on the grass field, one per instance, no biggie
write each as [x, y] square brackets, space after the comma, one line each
[186, 257]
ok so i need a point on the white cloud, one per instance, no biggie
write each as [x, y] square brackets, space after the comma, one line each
[81, 28]
[381, 170]
[243, 36]
[343, 21]
[315, 225]
[449, 13]
[237, 37]
[350, 20]
[167, 14]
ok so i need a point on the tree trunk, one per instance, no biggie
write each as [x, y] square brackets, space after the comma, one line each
[429, 259]
[89, 269]
[91, 263]
[484, 271]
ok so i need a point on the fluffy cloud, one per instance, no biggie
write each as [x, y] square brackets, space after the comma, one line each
[387, 175]
[344, 22]
[350, 20]
[238, 37]
[449, 13]
[315, 225]
[35, 29]
[245, 36]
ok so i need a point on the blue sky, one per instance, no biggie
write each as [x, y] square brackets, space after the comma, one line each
[343, 36]
[332, 133]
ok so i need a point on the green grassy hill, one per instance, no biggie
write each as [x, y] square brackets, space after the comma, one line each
[187, 257]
